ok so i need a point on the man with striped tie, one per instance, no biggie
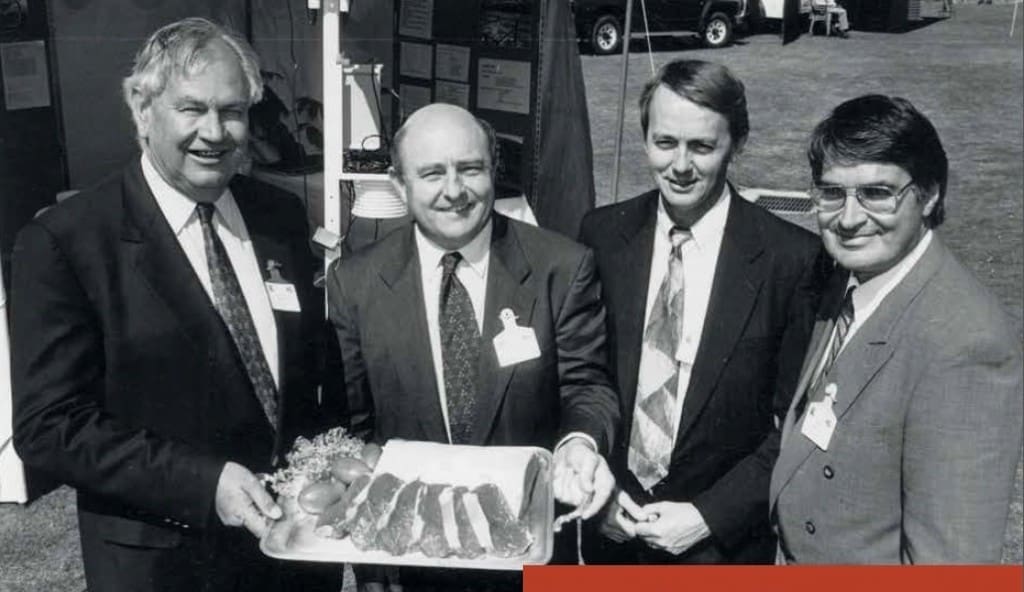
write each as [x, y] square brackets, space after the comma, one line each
[905, 429]
[710, 301]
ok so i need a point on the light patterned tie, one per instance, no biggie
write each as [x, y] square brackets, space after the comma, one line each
[230, 303]
[654, 421]
[460, 350]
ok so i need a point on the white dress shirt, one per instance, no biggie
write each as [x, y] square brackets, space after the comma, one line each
[700, 259]
[869, 295]
[472, 272]
[12, 475]
[180, 213]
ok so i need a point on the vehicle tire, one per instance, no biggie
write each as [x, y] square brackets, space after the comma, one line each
[717, 31]
[606, 35]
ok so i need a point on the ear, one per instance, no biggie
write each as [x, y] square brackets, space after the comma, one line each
[398, 183]
[929, 204]
[142, 112]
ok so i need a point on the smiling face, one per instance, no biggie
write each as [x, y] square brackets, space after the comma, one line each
[866, 243]
[688, 149]
[195, 131]
[446, 175]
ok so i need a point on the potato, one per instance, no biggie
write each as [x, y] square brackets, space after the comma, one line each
[347, 469]
[370, 454]
[315, 498]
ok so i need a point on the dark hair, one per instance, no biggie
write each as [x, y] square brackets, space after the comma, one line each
[709, 85]
[485, 127]
[881, 129]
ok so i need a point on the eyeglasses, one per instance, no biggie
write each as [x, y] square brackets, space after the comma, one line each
[878, 199]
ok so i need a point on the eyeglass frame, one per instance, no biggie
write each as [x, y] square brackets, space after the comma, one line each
[897, 198]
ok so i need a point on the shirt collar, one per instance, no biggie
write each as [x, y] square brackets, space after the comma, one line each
[475, 253]
[708, 230]
[177, 208]
[867, 295]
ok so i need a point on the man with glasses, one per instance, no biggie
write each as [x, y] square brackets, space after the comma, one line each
[905, 430]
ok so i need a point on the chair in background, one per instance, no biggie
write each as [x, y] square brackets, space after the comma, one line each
[821, 12]
[826, 11]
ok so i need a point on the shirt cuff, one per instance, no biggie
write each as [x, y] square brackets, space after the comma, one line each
[586, 438]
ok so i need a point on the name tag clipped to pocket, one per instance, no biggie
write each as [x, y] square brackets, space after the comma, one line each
[514, 344]
[820, 421]
[282, 294]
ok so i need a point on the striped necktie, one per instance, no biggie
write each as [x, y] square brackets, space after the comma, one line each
[843, 323]
[654, 417]
[230, 303]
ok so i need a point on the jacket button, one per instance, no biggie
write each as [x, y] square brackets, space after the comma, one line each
[809, 527]
[828, 472]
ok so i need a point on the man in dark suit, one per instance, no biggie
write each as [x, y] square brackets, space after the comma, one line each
[420, 316]
[904, 434]
[709, 299]
[164, 329]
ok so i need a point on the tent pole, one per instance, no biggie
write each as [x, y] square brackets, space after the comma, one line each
[627, 36]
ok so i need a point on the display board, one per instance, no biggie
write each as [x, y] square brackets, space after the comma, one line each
[481, 55]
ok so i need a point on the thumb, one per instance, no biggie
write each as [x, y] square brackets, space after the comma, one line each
[632, 508]
[261, 499]
[655, 510]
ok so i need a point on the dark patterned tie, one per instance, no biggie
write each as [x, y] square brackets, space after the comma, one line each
[654, 423]
[230, 303]
[460, 350]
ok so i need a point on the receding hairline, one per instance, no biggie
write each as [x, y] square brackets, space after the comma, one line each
[443, 119]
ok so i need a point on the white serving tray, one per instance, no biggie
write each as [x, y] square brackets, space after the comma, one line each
[292, 538]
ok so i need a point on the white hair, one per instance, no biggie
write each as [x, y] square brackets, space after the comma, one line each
[179, 48]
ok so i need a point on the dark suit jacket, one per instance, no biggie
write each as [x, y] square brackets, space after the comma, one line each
[921, 464]
[376, 304]
[764, 293]
[127, 385]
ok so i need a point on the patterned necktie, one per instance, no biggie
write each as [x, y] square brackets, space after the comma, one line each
[843, 323]
[654, 418]
[460, 349]
[230, 303]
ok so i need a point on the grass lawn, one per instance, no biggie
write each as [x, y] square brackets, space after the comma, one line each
[966, 74]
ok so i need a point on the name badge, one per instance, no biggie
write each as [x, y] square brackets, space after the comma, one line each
[514, 344]
[283, 296]
[820, 421]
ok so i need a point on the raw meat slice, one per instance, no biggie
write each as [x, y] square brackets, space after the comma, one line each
[398, 534]
[379, 501]
[433, 542]
[469, 544]
[509, 536]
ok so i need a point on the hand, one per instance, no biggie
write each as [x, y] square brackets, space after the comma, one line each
[581, 477]
[620, 517]
[674, 527]
[241, 500]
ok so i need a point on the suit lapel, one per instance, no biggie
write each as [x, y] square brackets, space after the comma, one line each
[631, 260]
[507, 287]
[823, 327]
[406, 322]
[739, 274]
[861, 359]
[159, 259]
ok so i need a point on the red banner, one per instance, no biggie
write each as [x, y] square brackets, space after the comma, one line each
[999, 578]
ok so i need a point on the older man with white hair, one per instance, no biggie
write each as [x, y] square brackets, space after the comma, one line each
[163, 335]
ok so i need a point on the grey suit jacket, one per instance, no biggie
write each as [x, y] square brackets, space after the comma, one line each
[921, 464]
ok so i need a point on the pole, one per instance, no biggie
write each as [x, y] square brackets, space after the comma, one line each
[627, 36]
